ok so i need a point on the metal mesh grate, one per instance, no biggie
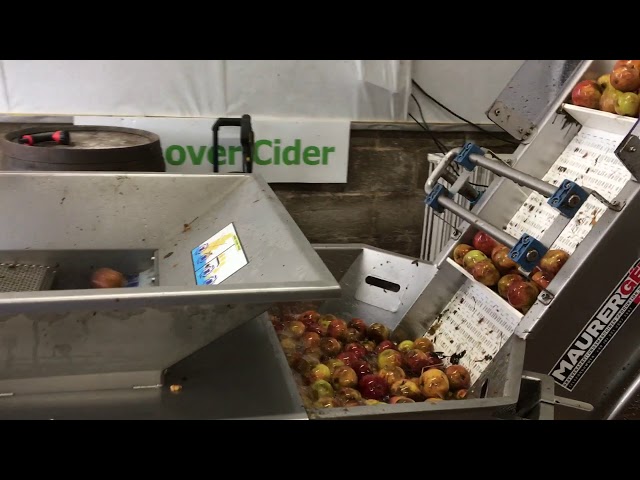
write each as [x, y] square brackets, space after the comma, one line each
[24, 278]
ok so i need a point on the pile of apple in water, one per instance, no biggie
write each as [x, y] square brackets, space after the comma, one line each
[347, 364]
[490, 264]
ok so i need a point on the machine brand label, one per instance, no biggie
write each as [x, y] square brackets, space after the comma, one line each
[599, 331]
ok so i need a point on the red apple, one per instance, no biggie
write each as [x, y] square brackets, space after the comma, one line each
[373, 387]
[405, 388]
[435, 361]
[460, 251]
[389, 358]
[359, 325]
[361, 367]
[330, 346]
[310, 339]
[293, 358]
[356, 348]
[309, 317]
[553, 261]
[392, 374]
[385, 345]
[522, 295]
[458, 377]
[344, 377]
[394, 400]
[486, 273]
[423, 344]
[337, 329]
[416, 360]
[633, 63]
[586, 94]
[316, 328]
[501, 259]
[347, 357]
[542, 279]
[506, 281]
[625, 78]
[107, 278]
[434, 384]
[484, 242]
[378, 332]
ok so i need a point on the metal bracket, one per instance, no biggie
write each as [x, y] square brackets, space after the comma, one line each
[629, 151]
[531, 397]
[432, 198]
[614, 205]
[527, 252]
[568, 198]
[545, 298]
[568, 402]
[525, 100]
[463, 159]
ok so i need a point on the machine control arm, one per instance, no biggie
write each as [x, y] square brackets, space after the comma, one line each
[526, 251]
[567, 198]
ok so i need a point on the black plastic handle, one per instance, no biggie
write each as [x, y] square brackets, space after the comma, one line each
[61, 137]
[246, 140]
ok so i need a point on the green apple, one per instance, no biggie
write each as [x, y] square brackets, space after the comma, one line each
[604, 81]
[473, 257]
[322, 388]
[627, 104]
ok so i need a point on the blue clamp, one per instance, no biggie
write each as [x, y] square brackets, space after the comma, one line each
[432, 198]
[527, 252]
[568, 198]
[463, 157]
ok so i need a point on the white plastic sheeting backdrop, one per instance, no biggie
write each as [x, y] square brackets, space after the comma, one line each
[352, 89]
[468, 87]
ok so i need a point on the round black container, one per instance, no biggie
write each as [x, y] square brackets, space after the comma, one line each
[92, 148]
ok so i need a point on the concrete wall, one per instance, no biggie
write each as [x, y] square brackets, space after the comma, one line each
[383, 202]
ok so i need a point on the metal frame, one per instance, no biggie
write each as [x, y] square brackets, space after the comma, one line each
[561, 312]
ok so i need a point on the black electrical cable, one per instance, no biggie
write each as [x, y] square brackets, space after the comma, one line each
[425, 126]
[437, 142]
[422, 90]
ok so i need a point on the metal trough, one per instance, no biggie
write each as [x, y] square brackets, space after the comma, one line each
[244, 374]
[71, 338]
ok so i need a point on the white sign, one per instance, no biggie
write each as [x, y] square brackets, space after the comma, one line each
[219, 257]
[306, 151]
